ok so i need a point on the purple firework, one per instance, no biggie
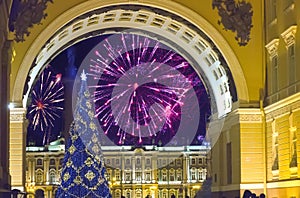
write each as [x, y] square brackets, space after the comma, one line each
[46, 102]
[144, 89]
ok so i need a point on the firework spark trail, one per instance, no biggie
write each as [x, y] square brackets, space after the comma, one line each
[47, 103]
[141, 87]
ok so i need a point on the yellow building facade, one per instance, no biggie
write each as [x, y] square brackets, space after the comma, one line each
[254, 136]
[131, 172]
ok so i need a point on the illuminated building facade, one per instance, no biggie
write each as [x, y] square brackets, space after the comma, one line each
[258, 146]
[131, 172]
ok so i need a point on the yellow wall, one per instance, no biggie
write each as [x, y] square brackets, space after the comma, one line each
[252, 67]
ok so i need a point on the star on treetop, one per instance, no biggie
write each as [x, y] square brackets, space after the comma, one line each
[83, 76]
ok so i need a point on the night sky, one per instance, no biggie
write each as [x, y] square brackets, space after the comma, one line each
[67, 63]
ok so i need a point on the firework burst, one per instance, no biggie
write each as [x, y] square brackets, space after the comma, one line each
[46, 103]
[144, 90]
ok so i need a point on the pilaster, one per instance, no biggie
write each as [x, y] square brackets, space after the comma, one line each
[17, 142]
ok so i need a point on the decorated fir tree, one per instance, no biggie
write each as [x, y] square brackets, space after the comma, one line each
[83, 169]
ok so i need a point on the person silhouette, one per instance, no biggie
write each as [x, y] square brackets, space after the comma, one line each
[247, 194]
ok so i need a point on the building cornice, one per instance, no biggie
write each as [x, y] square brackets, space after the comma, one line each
[283, 107]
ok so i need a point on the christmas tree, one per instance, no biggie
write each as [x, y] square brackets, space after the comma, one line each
[83, 169]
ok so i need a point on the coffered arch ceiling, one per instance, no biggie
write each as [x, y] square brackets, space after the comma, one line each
[195, 38]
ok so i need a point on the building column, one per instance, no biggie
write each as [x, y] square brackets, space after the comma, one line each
[5, 60]
[17, 142]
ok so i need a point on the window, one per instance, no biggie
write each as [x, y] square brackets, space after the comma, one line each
[193, 161]
[52, 177]
[172, 175]
[229, 163]
[275, 164]
[148, 176]
[127, 161]
[117, 162]
[127, 176]
[292, 63]
[178, 162]
[293, 143]
[200, 161]
[52, 162]
[274, 68]
[148, 162]
[201, 174]
[164, 175]
[108, 174]
[61, 161]
[39, 176]
[117, 175]
[138, 176]
[138, 161]
[272, 48]
[193, 174]
[273, 9]
[39, 162]
[289, 37]
[179, 175]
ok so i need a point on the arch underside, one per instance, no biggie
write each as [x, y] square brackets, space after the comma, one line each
[172, 30]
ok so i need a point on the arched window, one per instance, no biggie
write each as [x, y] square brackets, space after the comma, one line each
[52, 176]
[179, 175]
[39, 176]
[39, 193]
[172, 175]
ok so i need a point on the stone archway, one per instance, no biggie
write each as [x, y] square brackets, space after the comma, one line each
[210, 61]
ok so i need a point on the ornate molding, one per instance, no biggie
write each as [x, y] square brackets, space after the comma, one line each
[236, 17]
[272, 47]
[283, 107]
[289, 35]
[17, 115]
[25, 14]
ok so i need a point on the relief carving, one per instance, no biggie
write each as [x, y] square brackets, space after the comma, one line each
[27, 13]
[236, 17]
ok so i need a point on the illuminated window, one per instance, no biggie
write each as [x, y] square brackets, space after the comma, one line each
[108, 174]
[164, 175]
[179, 175]
[275, 164]
[138, 176]
[293, 143]
[127, 176]
[52, 176]
[200, 161]
[148, 176]
[172, 175]
[39, 176]
[117, 175]
[193, 174]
